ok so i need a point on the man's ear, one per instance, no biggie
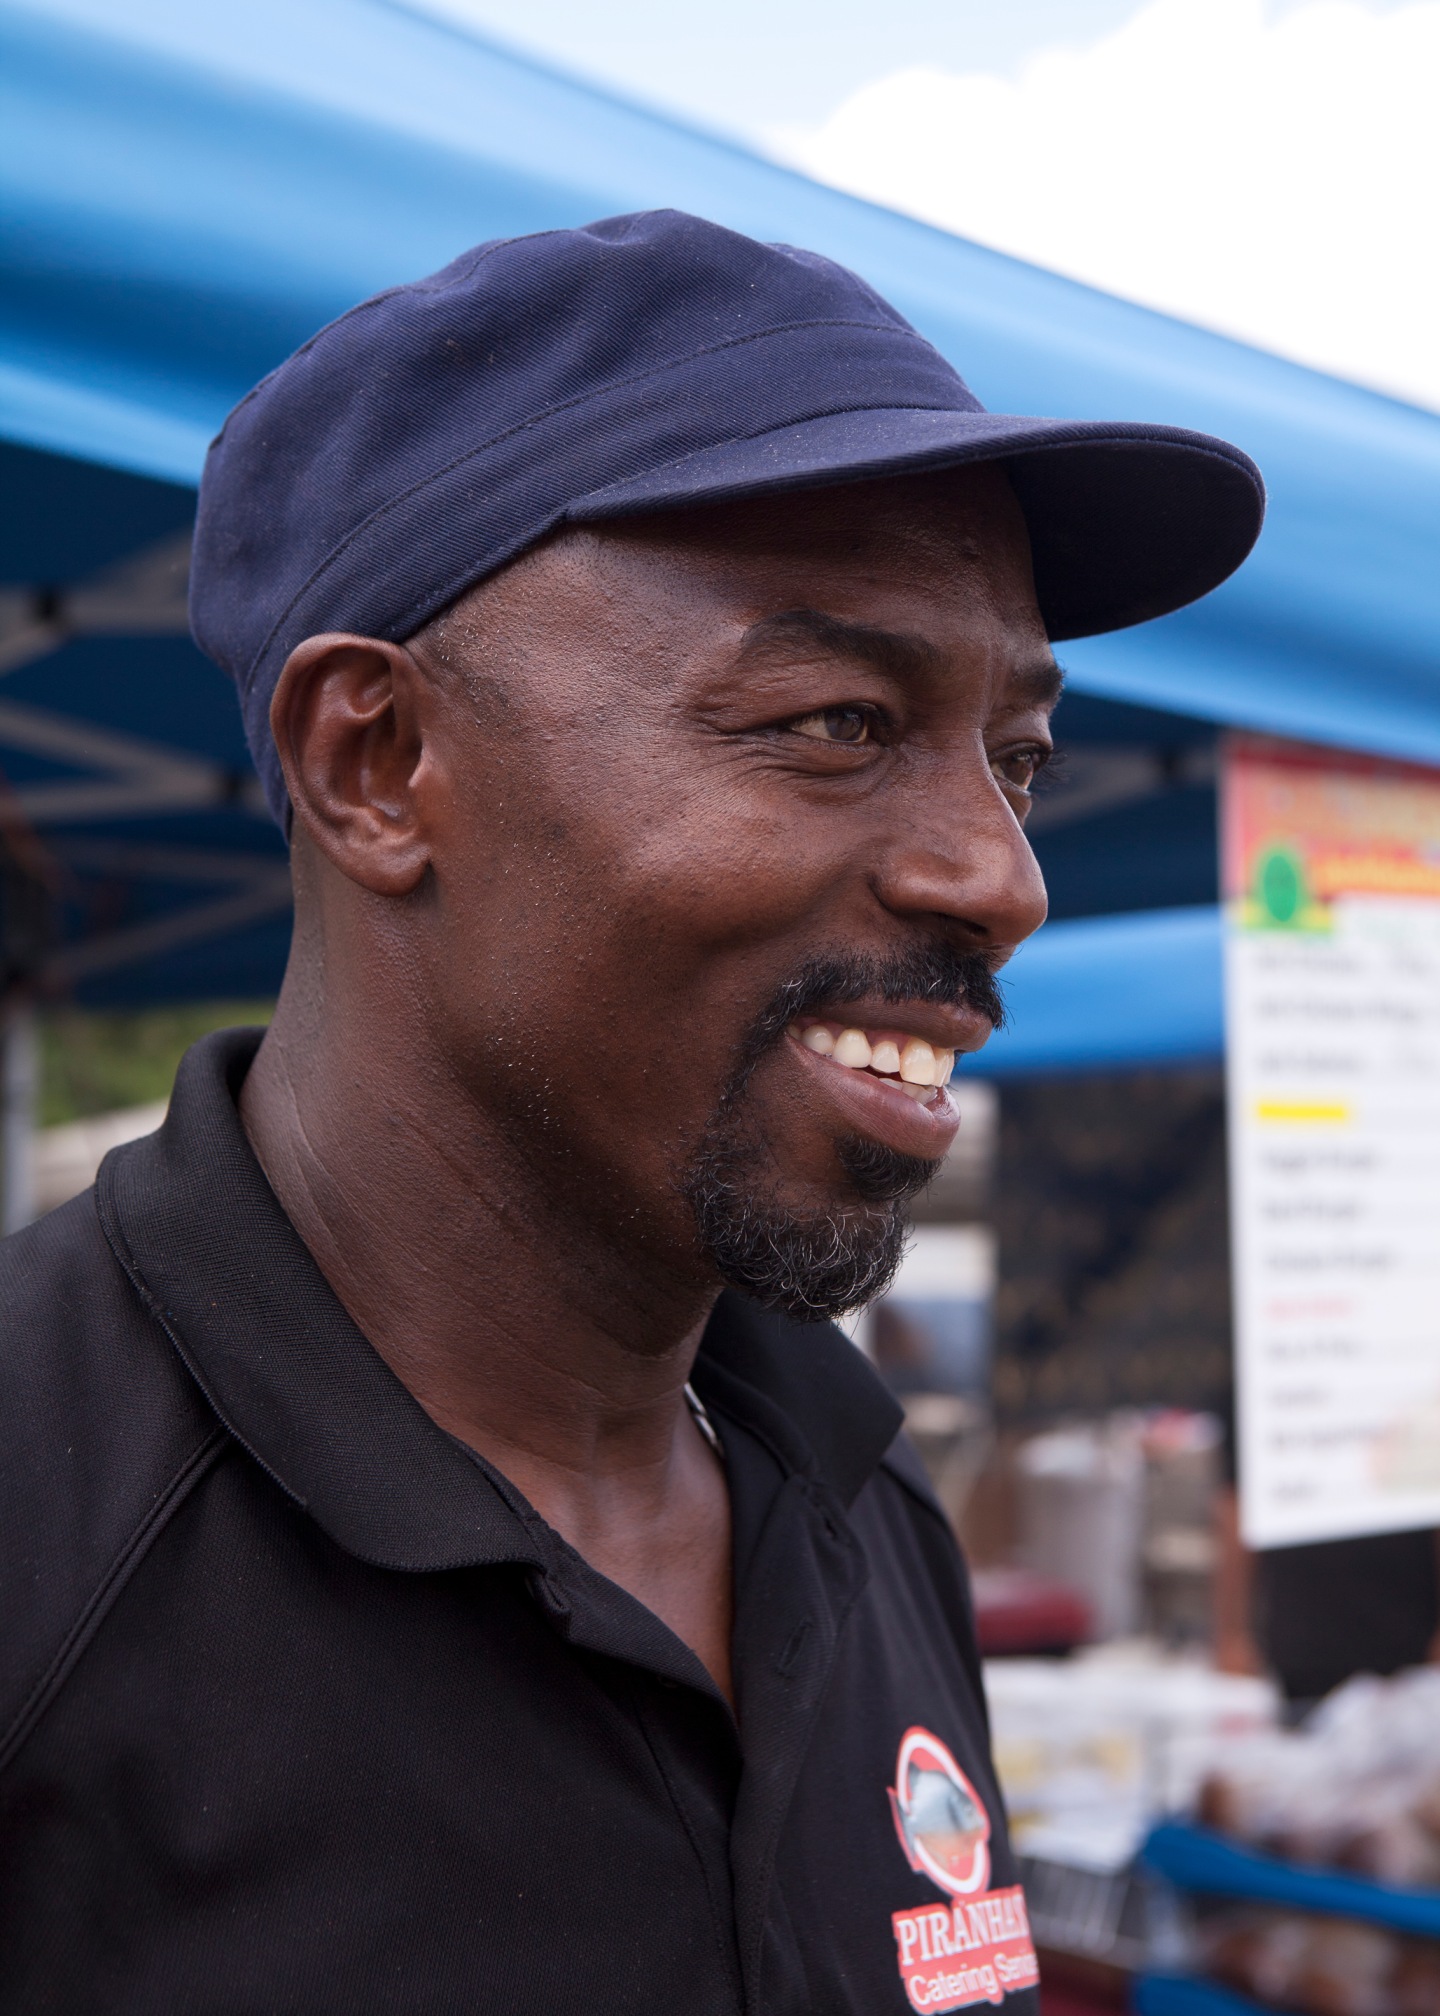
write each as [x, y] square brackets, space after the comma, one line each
[349, 717]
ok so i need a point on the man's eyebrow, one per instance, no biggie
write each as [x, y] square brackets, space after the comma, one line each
[898, 653]
[1037, 684]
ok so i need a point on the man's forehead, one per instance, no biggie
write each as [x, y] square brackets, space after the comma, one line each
[888, 573]
[891, 574]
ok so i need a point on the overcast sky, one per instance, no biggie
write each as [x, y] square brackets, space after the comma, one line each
[1272, 170]
[749, 65]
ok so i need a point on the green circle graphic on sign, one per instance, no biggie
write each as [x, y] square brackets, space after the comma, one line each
[1280, 885]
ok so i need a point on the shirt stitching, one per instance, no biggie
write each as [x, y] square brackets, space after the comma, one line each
[116, 1576]
[728, 1955]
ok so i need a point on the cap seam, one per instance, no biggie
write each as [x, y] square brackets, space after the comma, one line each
[611, 386]
[759, 433]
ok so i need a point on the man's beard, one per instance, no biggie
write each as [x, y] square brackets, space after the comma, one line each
[818, 1264]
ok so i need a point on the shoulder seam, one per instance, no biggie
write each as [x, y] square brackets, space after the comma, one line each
[118, 1574]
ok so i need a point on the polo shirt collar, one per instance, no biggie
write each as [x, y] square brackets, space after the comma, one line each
[193, 1221]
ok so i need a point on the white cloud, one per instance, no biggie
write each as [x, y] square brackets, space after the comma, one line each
[1277, 179]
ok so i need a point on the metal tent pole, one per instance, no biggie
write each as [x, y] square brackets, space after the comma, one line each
[19, 1099]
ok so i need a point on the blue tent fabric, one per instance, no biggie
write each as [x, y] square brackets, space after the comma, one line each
[192, 191]
[1104, 992]
[189, 192]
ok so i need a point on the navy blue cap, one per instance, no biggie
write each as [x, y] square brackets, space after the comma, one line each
[435, 432]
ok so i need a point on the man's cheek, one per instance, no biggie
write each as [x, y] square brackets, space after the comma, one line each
[729, 878]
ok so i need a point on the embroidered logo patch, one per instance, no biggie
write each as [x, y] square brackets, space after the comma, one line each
[978, 1947]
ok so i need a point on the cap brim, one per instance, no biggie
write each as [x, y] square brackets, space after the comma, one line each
[1127, 521]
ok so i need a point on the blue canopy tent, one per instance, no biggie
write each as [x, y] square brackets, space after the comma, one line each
[192, 191]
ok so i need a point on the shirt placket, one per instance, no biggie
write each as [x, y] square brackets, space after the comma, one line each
[806, 1575]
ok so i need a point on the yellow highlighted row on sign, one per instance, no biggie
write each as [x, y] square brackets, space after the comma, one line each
[1335, 1112]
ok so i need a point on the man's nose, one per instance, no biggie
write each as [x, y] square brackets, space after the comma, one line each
[962, 855]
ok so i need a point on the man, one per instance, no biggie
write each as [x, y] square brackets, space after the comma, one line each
[430, 1590]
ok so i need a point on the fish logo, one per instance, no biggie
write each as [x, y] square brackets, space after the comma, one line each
[941, 1820]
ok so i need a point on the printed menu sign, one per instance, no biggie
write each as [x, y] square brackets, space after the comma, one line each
[1331, 879]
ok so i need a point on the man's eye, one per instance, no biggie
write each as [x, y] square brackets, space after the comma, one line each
[837, 724]
[1019, 767]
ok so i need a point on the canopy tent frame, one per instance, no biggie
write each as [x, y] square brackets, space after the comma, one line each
[193, 191]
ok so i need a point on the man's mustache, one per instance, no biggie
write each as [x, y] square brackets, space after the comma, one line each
[934, 972]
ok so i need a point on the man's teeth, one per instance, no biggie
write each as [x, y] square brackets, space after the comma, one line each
[918, 1066]
[918, 1063]
[852, 1049]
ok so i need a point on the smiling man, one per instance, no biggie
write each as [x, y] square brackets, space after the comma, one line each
[454, 1563]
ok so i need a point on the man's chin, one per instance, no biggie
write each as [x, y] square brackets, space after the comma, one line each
[812, 1260]
[880, 1175]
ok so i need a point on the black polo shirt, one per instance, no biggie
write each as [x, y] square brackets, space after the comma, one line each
[303, 1707]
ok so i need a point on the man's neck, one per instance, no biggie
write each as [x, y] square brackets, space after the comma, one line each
[511, 1329]
[506, 1326]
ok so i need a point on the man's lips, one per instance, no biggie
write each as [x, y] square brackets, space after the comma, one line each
[884, 1109]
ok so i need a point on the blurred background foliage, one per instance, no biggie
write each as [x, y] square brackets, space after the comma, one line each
[93, 1062]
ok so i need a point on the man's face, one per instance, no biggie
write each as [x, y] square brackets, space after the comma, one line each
[712, 789]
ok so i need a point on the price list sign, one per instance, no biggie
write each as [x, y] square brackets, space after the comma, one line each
[1331, 880]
